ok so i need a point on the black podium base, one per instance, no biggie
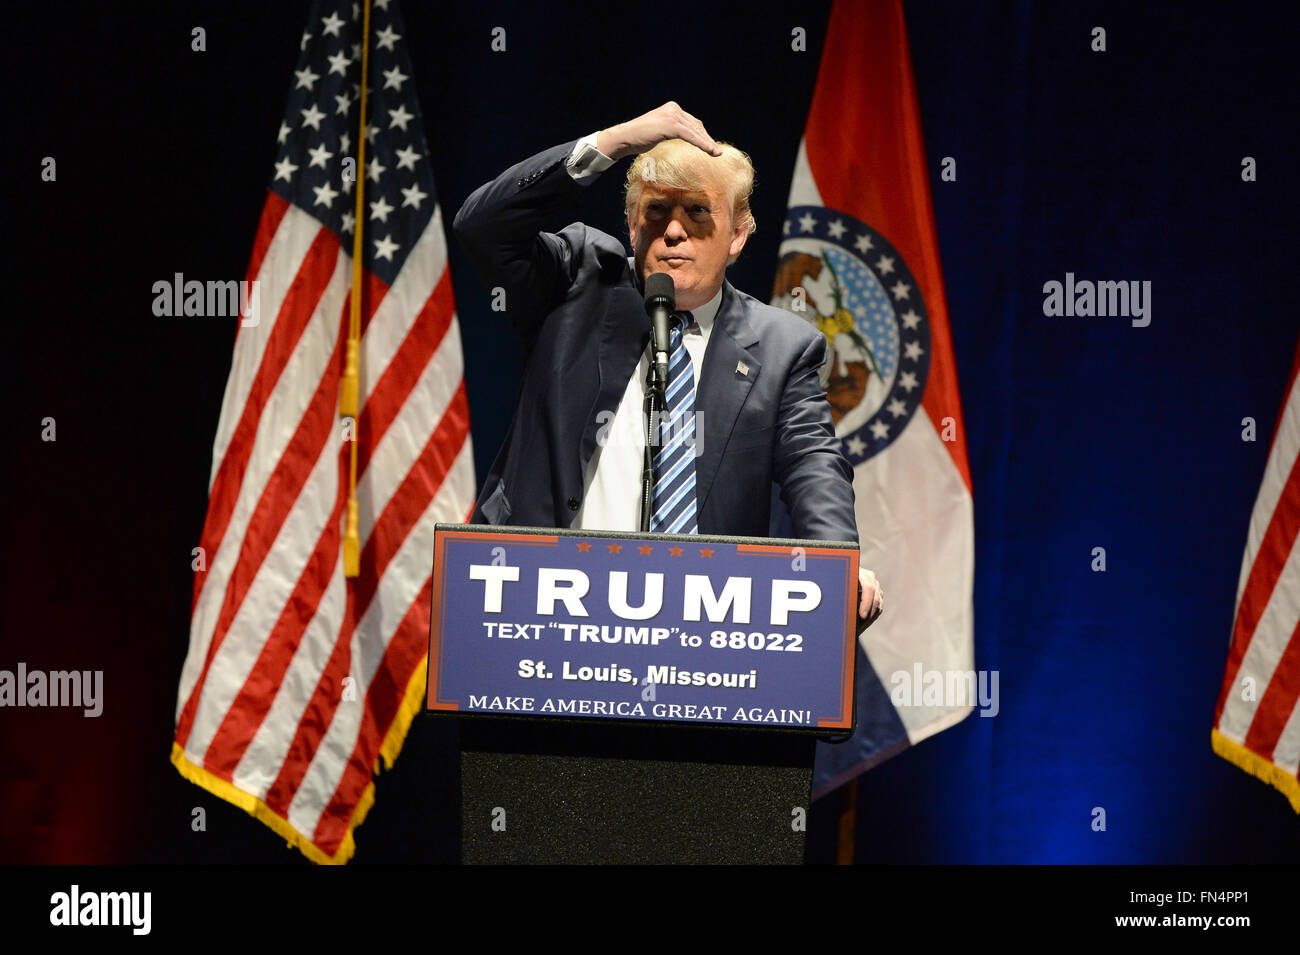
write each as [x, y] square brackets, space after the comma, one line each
[539, 791]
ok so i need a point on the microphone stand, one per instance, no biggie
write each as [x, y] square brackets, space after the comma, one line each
[651, 409]
[660, 301]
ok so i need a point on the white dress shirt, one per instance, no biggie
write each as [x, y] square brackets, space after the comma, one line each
[611, 499]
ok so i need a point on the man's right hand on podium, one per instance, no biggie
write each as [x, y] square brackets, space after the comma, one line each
[871, 599]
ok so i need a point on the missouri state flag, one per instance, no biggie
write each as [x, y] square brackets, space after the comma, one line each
[1257, 719]
[859, 259]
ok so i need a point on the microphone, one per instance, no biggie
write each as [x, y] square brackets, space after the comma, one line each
[660, 303]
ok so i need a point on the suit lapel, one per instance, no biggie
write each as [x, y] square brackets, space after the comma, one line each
[624, 334]
[722, 388]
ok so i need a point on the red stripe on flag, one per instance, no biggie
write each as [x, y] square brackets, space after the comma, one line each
[404, 370]
[308, 286]
[864, 126]
[1278, 702]
[1274, 549]
[273, 506]
[373, 292]
[383, 699]
[412, 497]
[273, 211]
[318, 714]
[404, 508]
[253, 702]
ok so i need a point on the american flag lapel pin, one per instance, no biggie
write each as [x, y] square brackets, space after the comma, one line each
[742, 369]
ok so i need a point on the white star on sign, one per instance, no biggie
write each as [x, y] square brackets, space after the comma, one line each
[371, 132]
[306, 78]
[347, 186]
[340, 63]
[897, 408]
[384, 248]
[349, 221]
[285, 170]
[305, 37]
[394, 78]
[785, 229]
[345, 143]
[345, 103]
[836, 229]
[324, 195]
[284, 132]
[381, 4]
[414, 196]
[863, 243]
[856, 446]
[375, 169]
[332, 24]
[880, 429]
[907, 380]
[318, 156]
[911, 319]
[399, 117]
[806, 222]
[885, 265]
[406, 158]
[913, 350]
[311, 116]
[386, 38]
[379, 210]
[900, 289]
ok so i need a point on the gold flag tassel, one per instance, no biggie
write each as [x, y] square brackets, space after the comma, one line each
[350, 386]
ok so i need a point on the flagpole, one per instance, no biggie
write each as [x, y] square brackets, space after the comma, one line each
[350, 386]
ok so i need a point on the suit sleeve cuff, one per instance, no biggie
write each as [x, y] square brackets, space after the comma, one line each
[586, 161]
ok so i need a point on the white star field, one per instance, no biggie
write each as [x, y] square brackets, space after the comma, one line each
[872, 303]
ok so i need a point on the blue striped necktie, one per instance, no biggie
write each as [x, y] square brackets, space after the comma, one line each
[674, 461]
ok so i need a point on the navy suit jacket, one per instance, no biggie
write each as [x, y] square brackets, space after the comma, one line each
[575, 302]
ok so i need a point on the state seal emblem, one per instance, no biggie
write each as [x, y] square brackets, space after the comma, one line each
[847, 279]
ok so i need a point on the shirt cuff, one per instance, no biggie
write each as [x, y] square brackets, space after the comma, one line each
[586, 161]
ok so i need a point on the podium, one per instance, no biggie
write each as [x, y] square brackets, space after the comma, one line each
[638, 698]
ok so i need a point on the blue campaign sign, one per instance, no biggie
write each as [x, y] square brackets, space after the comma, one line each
[555, 623]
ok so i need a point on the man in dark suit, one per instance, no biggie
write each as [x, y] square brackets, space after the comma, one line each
[573, 454]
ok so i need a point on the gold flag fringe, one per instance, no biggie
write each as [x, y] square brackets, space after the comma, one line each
[412, 703]
[1277, 777]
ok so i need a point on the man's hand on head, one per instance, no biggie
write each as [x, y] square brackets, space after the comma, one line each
[871, 599]
[650, 129]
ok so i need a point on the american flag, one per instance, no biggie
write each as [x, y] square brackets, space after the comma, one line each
[298, 679]
[1257, 721]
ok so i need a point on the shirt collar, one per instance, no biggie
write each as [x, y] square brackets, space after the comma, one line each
[706, 313]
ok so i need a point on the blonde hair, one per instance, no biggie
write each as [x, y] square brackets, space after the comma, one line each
[677, 164]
